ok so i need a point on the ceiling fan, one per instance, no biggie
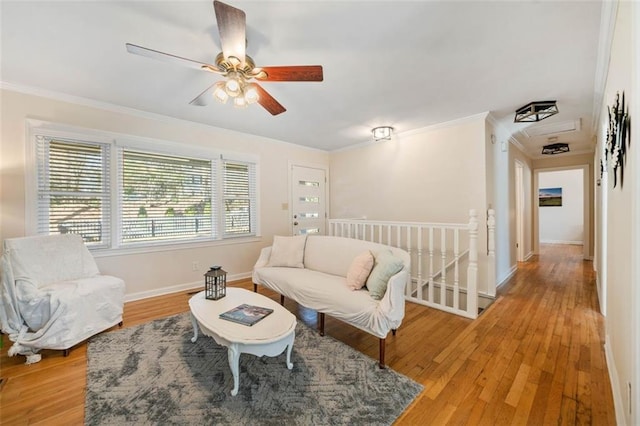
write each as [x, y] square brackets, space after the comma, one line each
[236, 66]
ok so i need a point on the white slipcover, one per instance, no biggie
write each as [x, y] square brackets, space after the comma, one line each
[322, 285]
[53, 295]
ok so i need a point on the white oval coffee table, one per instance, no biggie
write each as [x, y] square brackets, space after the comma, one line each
[270, 336]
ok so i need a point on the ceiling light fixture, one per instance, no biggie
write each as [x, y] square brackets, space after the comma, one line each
[555, 148]
[535, 111]
[237, 86]
[382, 133]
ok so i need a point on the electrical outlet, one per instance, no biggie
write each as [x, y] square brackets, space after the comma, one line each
[195, 266]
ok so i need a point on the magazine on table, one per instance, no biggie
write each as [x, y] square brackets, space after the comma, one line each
[246, 314]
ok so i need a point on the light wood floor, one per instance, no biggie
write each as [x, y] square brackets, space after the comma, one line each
[534, 357]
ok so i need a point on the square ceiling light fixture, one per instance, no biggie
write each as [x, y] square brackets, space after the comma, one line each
[382, 133]
[555, 148]
[536, 111]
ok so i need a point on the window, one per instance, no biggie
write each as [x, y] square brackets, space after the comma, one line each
[120, 195]
[164, 197]
[73, 189]
[239, 198]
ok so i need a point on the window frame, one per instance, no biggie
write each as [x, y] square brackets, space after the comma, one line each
[117, 143]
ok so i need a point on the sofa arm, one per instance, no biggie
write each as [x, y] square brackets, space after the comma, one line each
[263, 260]
[392, 303]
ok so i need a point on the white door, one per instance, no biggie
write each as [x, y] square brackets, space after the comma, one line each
[308, 204]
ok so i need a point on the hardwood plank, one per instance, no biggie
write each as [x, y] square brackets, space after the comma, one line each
[534, 356]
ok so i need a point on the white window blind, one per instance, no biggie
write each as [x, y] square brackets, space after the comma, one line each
[165, 197]
[239, 198]
[73, 189]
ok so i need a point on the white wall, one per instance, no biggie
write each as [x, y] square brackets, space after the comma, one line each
[169, 268]
[433, 175]
[563, 224]
[617, 252]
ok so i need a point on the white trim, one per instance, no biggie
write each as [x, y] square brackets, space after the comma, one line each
[172, 246]
[586, 215]
[528, 256]
[509, 275]
[573, 243]
[35, 127]
[178, 288]
[615, 383]
[605, 39]
[412, 132]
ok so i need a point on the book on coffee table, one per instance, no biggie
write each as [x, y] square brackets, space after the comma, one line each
[246, 314]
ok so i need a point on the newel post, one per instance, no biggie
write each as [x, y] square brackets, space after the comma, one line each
[491, 252]
[472, 270]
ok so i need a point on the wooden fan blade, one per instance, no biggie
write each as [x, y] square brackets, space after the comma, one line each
[292, 73]
[203, 98]
[267, 101]
[165, 57]
[232, 24]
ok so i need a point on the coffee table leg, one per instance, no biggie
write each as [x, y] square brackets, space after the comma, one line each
[234, 360]
[289, 349]
[195, 329]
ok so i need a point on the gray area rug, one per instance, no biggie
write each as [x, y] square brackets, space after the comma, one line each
[153, 374]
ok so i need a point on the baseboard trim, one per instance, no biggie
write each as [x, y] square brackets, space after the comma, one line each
[615, 383]
[178, 288]
[574, 243]
[510, 274]
[528, 256]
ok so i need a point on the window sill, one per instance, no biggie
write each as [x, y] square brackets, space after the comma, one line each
[172, 246]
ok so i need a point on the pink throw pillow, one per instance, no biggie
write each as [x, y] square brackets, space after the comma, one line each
[359, 270]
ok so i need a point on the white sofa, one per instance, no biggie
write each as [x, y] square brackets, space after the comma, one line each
[320, 284]
[53, 295]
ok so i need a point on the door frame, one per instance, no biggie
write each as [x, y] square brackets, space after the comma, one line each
[519, 192]
[586, 216]
[290, 165]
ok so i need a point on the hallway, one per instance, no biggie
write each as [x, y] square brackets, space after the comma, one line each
[535, 356]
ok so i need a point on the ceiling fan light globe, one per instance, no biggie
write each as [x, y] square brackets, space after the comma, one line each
[220, 94]
[251, 95]
[232, 86]
[240, 102]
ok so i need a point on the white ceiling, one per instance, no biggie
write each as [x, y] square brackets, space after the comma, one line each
[405, 64]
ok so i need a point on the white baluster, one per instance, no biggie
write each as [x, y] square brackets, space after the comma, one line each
[472, 269]
[431, 265]
[443, 266]
[419, 260]
[409, 287]
[456, 272]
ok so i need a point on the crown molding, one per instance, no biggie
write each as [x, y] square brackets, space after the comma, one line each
[106, 106]
[605, 39]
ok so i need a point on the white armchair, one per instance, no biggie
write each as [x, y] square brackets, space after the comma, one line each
[53, 295]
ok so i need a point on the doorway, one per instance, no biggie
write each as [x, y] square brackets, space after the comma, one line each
[562, 213]
[308, 200]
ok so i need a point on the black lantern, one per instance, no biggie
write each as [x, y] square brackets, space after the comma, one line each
[215, 283]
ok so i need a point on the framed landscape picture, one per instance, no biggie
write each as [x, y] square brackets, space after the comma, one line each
[550, 197]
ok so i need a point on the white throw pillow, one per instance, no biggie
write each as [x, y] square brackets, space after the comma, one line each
[288, 251]
[359, 270]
